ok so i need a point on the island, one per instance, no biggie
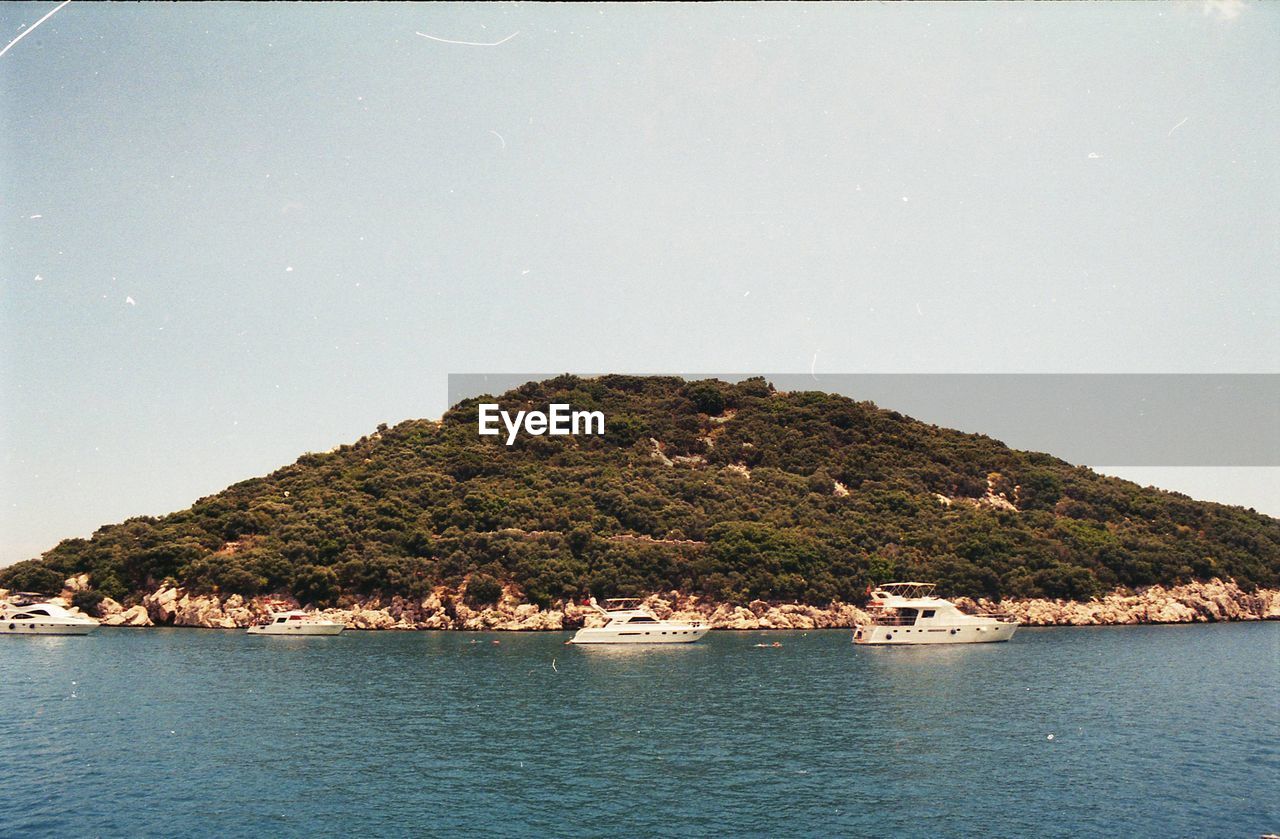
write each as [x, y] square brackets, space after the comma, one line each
[733, 503]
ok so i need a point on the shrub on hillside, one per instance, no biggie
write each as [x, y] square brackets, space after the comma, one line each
[31, 575]
[88, 601]
[483, 590]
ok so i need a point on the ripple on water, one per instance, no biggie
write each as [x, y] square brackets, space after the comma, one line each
[1156, 731]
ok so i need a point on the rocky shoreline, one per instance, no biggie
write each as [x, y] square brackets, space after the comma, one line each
[1212, 601]
[1199, 602]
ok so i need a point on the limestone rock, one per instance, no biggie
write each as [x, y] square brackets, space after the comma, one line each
[658, 455]
[79, 582]
[370, 619]
[1213, 600]
[162, 606]
[1197, 602]
[133, 616]
[202, 611]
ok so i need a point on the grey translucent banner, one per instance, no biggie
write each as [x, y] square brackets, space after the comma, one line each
[1117, 419]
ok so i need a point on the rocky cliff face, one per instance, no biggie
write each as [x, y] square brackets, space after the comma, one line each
[1210, 601]
[1200, 602]
[444, 609]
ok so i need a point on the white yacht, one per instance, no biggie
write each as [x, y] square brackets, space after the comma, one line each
[909, 613]
[43, 618]
[296, 622]
[629, 622]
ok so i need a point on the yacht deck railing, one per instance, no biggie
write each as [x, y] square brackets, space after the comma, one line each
[893, 619]
[886, 619]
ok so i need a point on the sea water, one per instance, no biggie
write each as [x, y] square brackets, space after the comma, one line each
[1119, 731]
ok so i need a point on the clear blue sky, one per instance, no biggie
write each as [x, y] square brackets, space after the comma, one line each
[235, 233]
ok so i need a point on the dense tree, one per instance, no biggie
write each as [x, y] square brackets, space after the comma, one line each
[316, 585]
[483, 590]
[88, 601]
[32, 576]
[707, 396]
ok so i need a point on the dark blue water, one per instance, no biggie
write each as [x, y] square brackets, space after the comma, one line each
[1157, 731]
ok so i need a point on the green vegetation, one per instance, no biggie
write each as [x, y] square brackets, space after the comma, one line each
[839, 493]
[32, 576]
[87, 601]
[483, 590]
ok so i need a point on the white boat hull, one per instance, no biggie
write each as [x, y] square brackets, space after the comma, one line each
[316, 628]
[46, 628]
[967, 633]
[673, 634]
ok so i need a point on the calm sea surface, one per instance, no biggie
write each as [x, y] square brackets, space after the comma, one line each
[1156, 731]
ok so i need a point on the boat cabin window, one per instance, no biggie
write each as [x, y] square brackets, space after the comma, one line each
[927, 613]
[22, 617]
[642, 619]
[41, 612]
[280, 620]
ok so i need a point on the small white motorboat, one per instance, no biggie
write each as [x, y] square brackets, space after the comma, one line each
[629, 622]
[296, 622]
[41, 617]
[909, 613]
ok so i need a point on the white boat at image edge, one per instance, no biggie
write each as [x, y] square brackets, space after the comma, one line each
[42, 617]
[296, 622]
[909, 613]
[629, 622]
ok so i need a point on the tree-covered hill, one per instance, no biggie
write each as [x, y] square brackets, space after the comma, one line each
[746, 494]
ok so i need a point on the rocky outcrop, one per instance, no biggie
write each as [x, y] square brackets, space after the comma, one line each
[444, 608]
[71, 585]
[133, 616]
[996, 497]
[169, 606]
[755, 615]
[174, 607]
[1199, 602]
[997, 494]
[658, 454]
[162, 606]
